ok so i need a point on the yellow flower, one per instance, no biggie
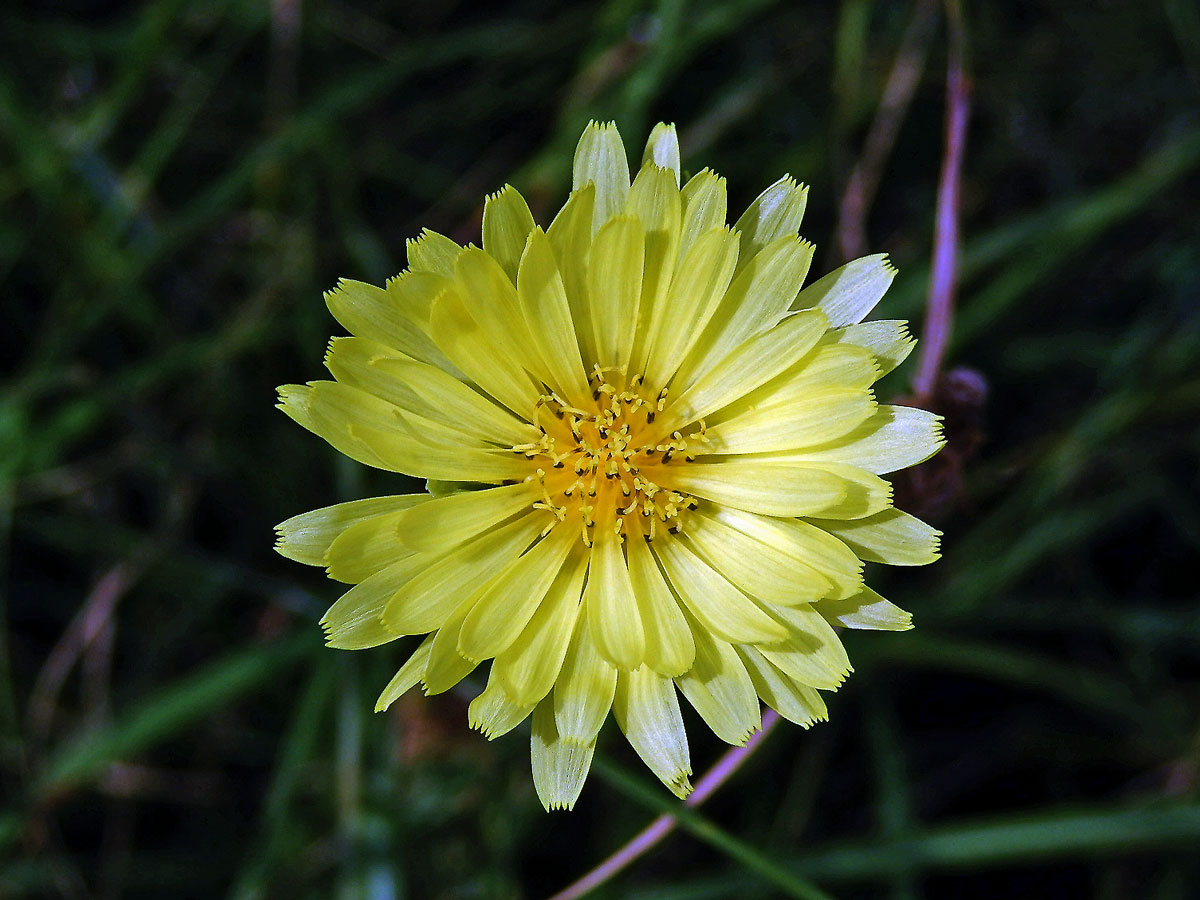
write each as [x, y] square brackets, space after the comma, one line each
[653, 463]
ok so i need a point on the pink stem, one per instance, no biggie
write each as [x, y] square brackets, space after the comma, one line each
[724, 767]
[939, 314]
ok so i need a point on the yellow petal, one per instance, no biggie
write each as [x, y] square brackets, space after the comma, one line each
[494, 713]
[647, 710]
[697, 288]
[543, 300]
[887, 339]
[613, 618]
[509, 601]
[895, 437]
[473, 349]
[866, 610]
[406, 679]
[306, 538]
[528, 668]
[354, 622]
[774, 489]
[662, 149]
[757, 299]
[795, 702]
[432, 252]
[775, 213]
[560, 765]
[891, 537]
[720, 689]
[446, 666]
[429, 598]
[716, 603]
[670, 649]
[811, 417]
[654, 201]
[800, 544]
[373, 312]
[600, 159]
[490, 298]
[583, 693]
[849, 293]
[449, 521]
[507, 222]
[366, 548]
[570, 234]
[755, 362]
[614, 285]
[704, 207]
[812, 654]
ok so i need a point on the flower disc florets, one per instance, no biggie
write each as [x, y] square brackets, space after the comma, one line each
[652, 464]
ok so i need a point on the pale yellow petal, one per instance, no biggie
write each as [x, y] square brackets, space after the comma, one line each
[528, 668]
[306, 538]
[848, 294]
[446, 666]
[891, 537]
[490, 298]
[866, 610]
[720, 689]
[614, 621]
[429, 598]
[775, 213]
[662, 149]
[614, 286]
[812, 654]
[543, 300]
[366, 548]
[407, 677]
[583, 693]
[509, 601]
[507, 222]
[354, 621]
[797, 703]
[560, 765]
[801, 419]
[449, 521]
[647, 709]
[757, 299]
[654, 200]
[895, 437]
[375, 313]
[670, 649]
[755, 362]
[716, 603]
[704, 207]
[570, 234]
[494, 713]
[887, 339]
[600, 159]
[697, 288]
[433, 252]
[771, 488]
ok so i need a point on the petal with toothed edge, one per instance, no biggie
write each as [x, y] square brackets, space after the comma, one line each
[493, 712]
[662, 149]
[507, 222]
[867, 611]
[887, 339]
[354, 621]
[716, 603]
[720, 689]
[366, 548]
[600, 158]
[614, 287]
[849, 293]
[812, 654]
[647, 709]
[510, 600]
[433, 252]
[775, 213]
[583, 692]
[543, 300]
[306, 538]
[528, 668]
[670, 649]
[795, 702]
[429, 598]
[755, 362]
[892, 537]
[613, 618]
[372, 312]
[560, 765]
[407, 677]
[704, 207]
[894, 438]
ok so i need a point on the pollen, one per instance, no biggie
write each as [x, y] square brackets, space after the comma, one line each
[606, 467]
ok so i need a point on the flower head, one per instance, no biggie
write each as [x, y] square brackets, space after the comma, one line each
[653, 463]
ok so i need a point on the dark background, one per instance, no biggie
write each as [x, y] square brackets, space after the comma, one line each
[180, 181]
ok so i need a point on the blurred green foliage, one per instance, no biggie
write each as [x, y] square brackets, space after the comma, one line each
[182, 179]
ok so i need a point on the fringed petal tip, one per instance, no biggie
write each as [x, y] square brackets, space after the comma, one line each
[681, 784]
